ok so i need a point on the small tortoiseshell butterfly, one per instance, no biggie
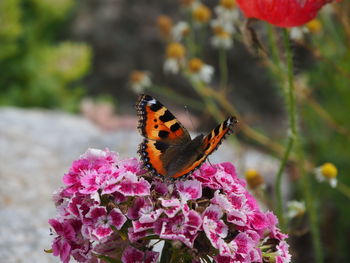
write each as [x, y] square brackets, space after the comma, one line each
[168, 149]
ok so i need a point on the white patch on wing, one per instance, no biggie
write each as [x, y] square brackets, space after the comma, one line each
[153, 101]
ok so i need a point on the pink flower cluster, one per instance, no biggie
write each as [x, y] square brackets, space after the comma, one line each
[113, 209]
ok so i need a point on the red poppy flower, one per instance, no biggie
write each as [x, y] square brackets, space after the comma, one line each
[282, 13]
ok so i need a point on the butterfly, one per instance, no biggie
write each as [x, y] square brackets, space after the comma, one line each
[167, 149]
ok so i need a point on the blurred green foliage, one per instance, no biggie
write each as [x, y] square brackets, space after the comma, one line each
[329, 141]
[35, 68]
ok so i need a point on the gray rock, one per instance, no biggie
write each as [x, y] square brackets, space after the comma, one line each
[37, 148]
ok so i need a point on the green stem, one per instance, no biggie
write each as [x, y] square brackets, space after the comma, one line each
[190, 39]
[290, 90]
[223, 69]
[344, 189]
[279, 196]
[166, 253]
[273, 46]
[290, 100]
[209, 102]
[312, 213]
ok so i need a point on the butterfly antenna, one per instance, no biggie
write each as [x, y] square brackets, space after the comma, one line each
[189, 116]
[209, 162]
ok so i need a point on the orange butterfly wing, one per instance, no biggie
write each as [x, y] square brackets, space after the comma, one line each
[210, 143]
[156, 122]
[160, 129]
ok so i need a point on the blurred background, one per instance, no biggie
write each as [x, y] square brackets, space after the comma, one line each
[70, 72]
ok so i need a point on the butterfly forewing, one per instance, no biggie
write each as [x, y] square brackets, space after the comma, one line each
[164, 134]
[156, 122]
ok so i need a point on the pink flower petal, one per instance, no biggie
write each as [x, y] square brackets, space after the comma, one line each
[62, 248]
[171, 206]
[213, 212]
[117, 218]
[132, 186]
[151, 257]
[132, 255]
[189, 190]
[136, 236]
[215, 230]
[102, 231]
[139, 227]
[258, 221]
[175, 229]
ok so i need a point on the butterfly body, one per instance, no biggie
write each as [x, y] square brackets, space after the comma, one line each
[167, 149]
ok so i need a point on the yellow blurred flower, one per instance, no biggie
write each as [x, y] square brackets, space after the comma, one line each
[201, 13]
[314, 26]
[229, 4]
[175, 50]
[327, 172]
[200, 71]
[165, 25]
[194, 65]
[298, 33]
[175, 53]
[254, 178]
[139, 81]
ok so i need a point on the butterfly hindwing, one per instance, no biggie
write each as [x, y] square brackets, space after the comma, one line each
[207, 146]
[151, 153]
[156, 122]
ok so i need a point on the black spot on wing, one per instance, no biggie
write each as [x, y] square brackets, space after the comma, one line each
[161, 146]
[163, 134]
[147, 97]
[156, 106]
[167, 116]
[175, 127]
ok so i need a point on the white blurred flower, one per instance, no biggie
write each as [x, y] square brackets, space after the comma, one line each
[227, 10]
[327, 172]
[313, 27]
[222, 31]
[297, 33]
[295, 209]
[175, 53]
[180, 30]
[219, 25]
[139, 81]
[171, 66]
[200, 71]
